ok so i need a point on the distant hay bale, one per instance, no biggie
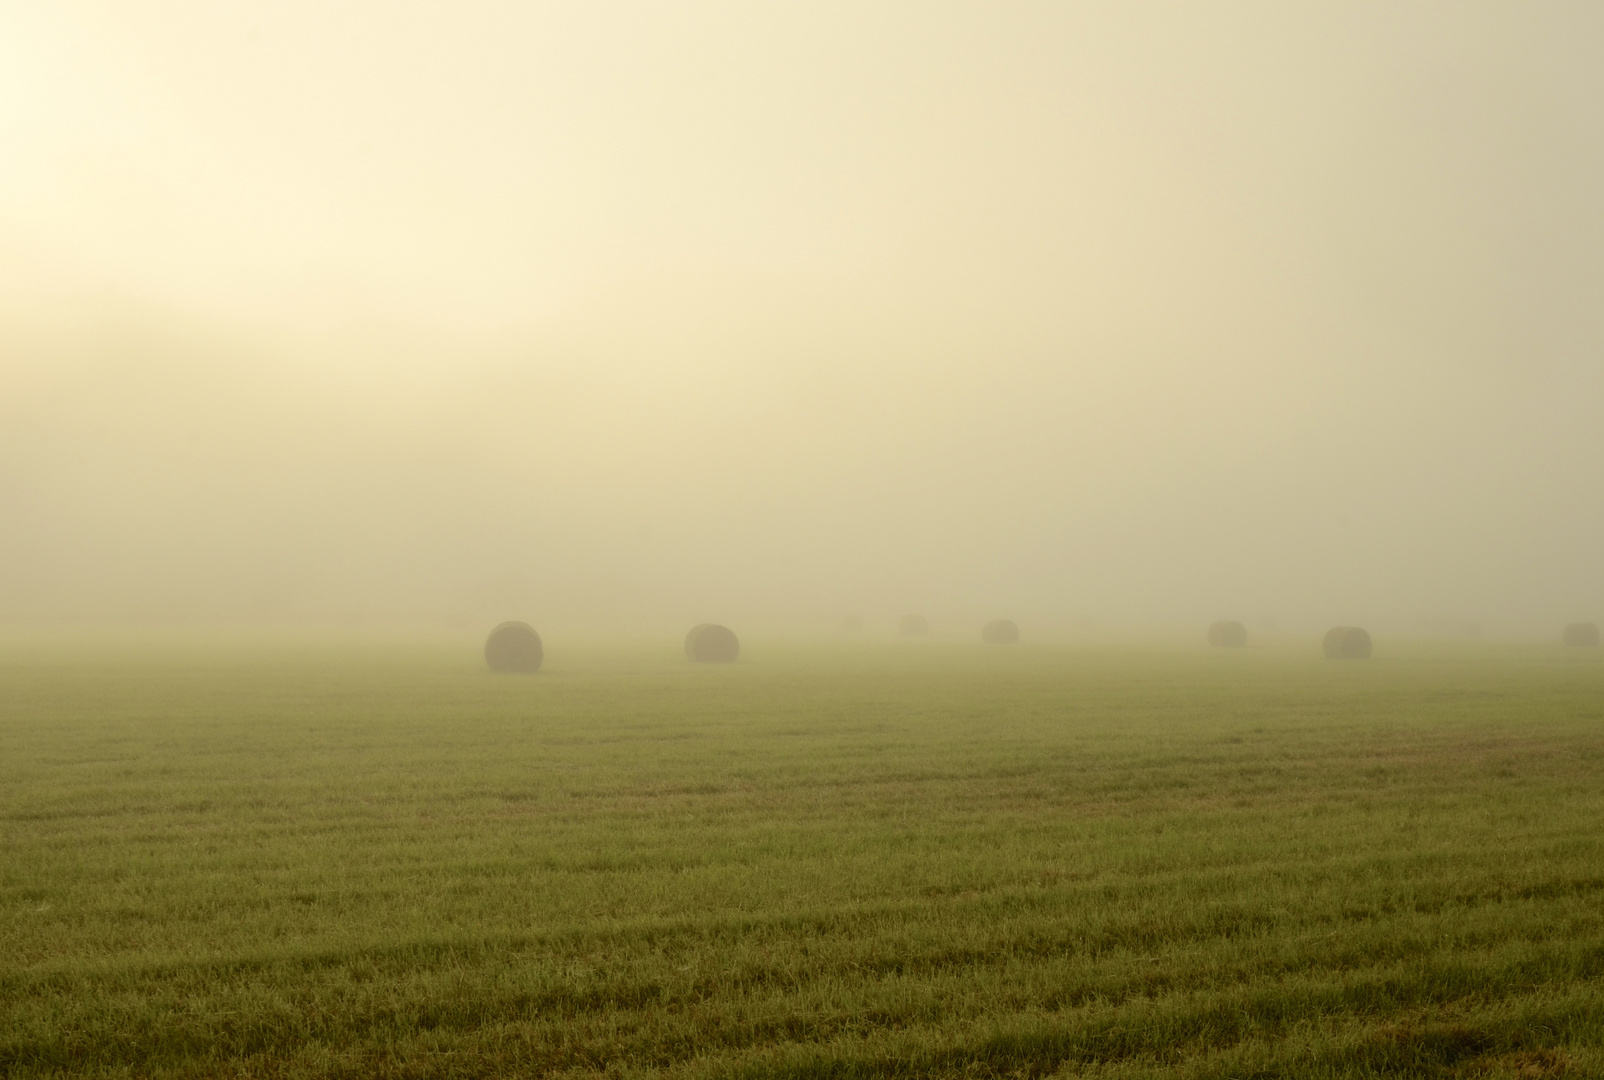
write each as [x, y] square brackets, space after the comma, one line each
[1227, 634]
[710, 643]
[1000, 632]
[1347, 643]
[514, 646]
[852, 623]
[914, 626]
[1582, 635]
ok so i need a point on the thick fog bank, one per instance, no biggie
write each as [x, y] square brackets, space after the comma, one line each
[154, 472]
[606, 316]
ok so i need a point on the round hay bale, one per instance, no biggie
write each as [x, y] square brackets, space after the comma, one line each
[1000, 632]
[914, 626]
[1582, 635]
[514, 646]
[710, 643]
[1347, 643]
[852, 623]
[1227, 634]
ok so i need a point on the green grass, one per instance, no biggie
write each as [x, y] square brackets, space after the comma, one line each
[359, 860]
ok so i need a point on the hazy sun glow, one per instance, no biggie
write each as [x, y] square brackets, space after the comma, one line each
[1116, 312]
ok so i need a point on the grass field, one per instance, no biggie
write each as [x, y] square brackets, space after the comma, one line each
[357, 859]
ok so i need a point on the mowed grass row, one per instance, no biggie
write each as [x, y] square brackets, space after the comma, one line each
[345, 860]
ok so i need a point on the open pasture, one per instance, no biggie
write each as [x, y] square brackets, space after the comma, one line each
[336, 858]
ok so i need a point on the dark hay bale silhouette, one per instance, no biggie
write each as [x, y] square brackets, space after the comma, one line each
[1000, 632]
[852, 623]
[1582, 635]
[1227, 634]
[1347, 643]
[514, 646]
[710, 643]
[914, 626]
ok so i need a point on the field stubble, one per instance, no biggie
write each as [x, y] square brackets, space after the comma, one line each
[890, 860]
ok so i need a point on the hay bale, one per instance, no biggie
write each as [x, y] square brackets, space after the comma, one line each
[1000, 632]
[852, 623]
[1347, 643]
[1227, 634]
[914, 626]
[710, 643]
[1582, 635]
[514, 646]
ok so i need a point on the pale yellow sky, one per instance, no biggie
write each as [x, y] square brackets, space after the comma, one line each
[1123, 311]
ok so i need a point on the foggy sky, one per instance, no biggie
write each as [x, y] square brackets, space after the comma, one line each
[611, 314]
